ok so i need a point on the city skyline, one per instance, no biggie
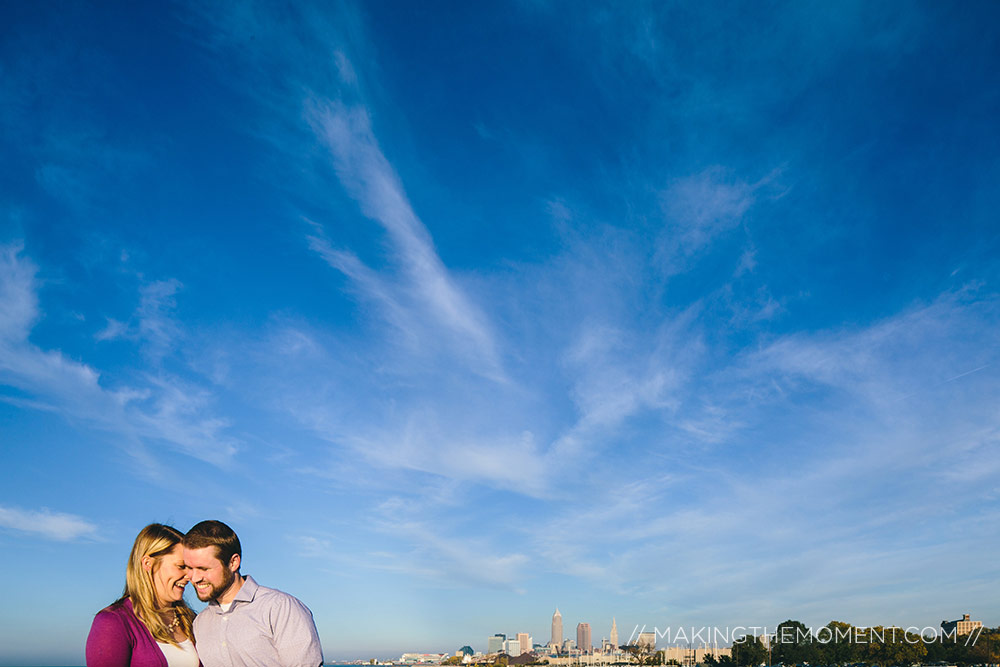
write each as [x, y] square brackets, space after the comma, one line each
[719, 637]
[669, 312]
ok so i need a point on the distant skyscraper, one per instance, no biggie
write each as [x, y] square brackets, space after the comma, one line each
[557, 628]
[614, 633]
[583, 637]
[525, 640]
[495, 643]
[513, 648]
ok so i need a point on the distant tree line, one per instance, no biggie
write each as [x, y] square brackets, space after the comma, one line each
[841, 644]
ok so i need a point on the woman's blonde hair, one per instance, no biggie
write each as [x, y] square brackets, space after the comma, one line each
[155, 541]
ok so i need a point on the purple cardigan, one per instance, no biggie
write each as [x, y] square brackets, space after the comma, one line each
[119, 639]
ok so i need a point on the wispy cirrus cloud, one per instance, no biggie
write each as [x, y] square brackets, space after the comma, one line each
[892, 362]
[698, 209]
[152, 323]
[18, 304]
[905, 424]
[47, 524]
[435, 553]
[430, 293]
[165, 409]
[369, 283]
[420, 296]
[434, 439]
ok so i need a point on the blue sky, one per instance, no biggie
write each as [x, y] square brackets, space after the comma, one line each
[681, 313]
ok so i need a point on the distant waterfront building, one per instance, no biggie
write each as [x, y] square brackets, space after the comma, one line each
[614, 633]
[965, 626]
[524, 639]
[495, 643]
[513, 648]
[583, 637]
[568, 645]
[647, 639]
[556, 628]
[422, 658]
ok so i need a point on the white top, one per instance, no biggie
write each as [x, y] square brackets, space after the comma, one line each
[184, 655]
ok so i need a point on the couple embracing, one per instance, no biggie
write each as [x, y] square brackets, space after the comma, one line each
[244, 623]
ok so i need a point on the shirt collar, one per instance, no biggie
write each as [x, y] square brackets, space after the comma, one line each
[246, 594]
[247, 590]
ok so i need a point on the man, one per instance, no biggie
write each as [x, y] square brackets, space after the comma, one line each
[244, 624]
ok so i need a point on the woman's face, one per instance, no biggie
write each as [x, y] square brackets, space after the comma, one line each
[170, 576]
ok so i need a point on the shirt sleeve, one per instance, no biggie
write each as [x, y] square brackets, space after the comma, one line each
[295, 636]
[108, 643]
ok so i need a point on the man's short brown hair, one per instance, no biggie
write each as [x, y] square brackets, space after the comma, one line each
[214, 534]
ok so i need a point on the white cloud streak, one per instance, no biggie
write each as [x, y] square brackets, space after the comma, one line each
[153, 323]
[47, 524]
[166, 410]
[700, 208]
[472, 560]
[370, 179]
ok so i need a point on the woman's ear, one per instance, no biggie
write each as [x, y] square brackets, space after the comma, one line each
[147, 563]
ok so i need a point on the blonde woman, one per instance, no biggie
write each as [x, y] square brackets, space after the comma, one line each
[150, 624]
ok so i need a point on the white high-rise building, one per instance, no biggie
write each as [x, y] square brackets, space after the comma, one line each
[614, 634]
[557, 628]
[513, 647]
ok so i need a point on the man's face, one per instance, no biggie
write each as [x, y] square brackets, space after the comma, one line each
[211, 577]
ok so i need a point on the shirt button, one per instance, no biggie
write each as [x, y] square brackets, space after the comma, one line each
[225, 618]
[223, 643]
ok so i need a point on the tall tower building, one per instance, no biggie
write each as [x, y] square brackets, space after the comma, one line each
[525, 640]
[557, 628]
[583, 637]
[614, 634]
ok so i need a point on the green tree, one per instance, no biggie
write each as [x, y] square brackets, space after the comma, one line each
[749, 652]
[711, 660]
[835, 644]
[793, 644]
[986, 649]
[888, 646]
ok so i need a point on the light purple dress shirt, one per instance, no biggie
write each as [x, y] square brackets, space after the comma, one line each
[263, 627]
